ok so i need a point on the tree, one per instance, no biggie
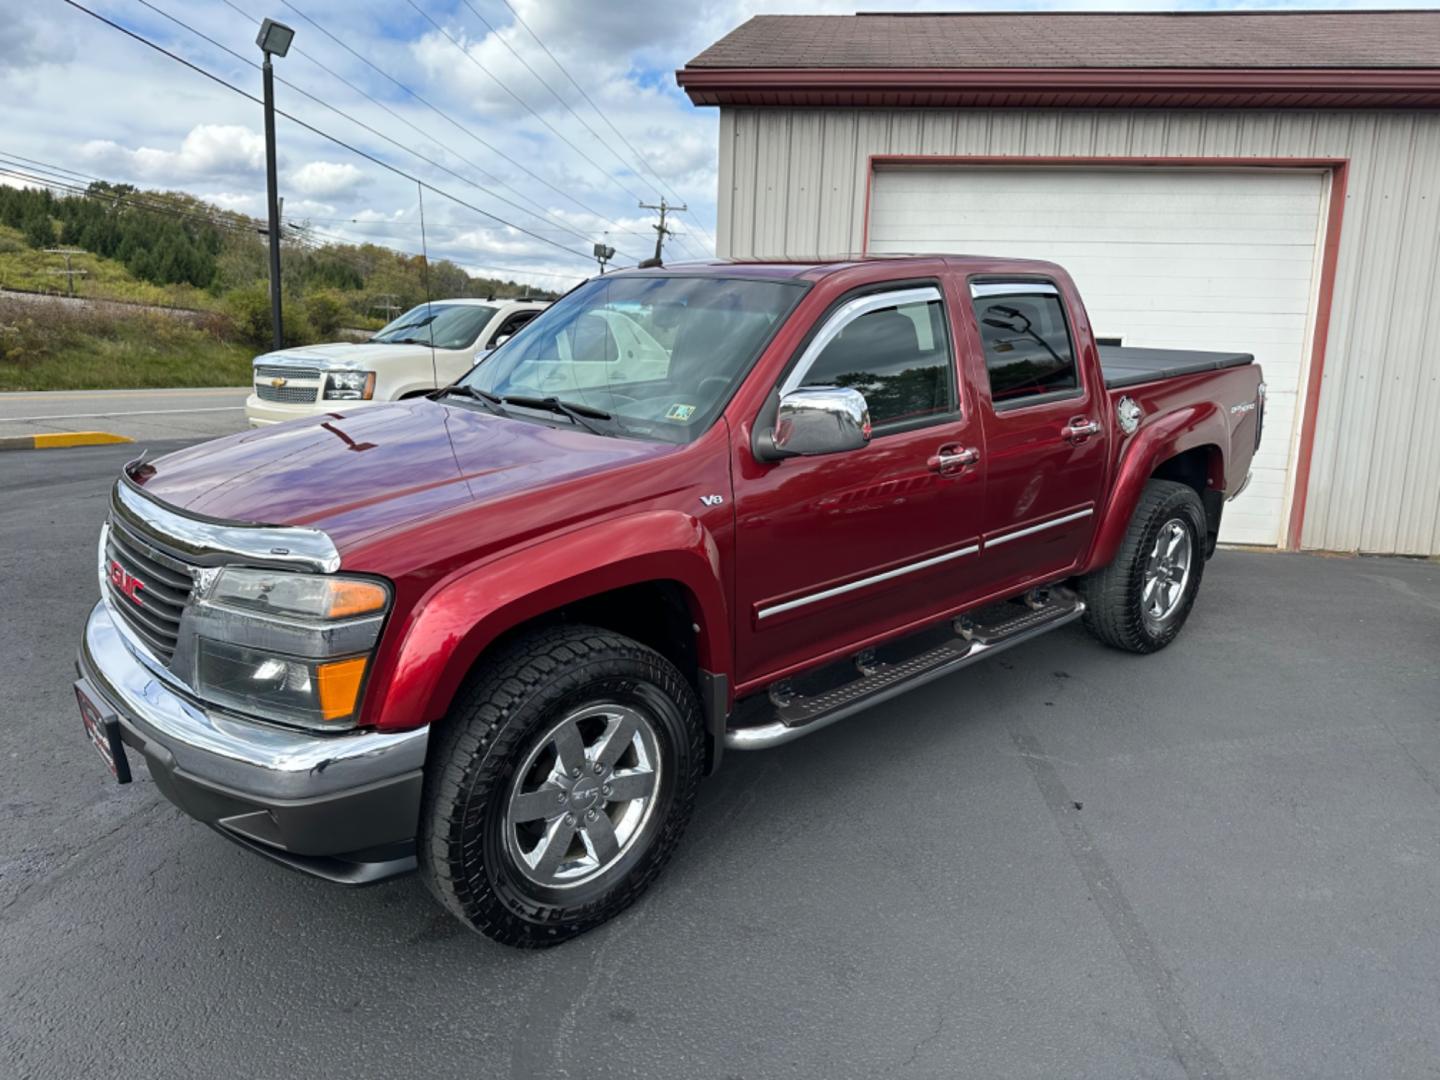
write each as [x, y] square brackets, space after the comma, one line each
[39, 230]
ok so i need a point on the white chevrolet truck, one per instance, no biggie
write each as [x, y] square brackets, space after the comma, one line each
[428, 347]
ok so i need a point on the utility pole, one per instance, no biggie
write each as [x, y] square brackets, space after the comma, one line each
[274, 39]
[69, 272]
[661, 230]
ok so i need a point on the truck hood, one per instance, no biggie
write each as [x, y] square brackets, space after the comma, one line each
[346, 355]
[353, 474]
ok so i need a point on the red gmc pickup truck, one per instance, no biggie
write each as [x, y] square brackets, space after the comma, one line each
[503, 633]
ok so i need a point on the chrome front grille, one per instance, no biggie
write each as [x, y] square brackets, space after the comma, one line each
[290, 395]
[297, 385]
[275, 371]
[146, 587]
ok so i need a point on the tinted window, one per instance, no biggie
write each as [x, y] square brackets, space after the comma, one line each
[512, 324]
[1027, 343]
[898, 357]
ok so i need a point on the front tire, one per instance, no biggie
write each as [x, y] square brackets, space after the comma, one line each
[1141, 600]
[561, 784]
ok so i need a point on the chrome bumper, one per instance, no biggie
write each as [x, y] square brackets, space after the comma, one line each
[309, 800]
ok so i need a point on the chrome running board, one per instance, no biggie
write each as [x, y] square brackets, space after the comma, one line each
[788, 712]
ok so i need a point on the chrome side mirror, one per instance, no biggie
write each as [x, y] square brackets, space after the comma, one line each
[821, 420]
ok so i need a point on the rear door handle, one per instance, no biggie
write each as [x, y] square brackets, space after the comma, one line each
[951, 459]
[1080, 428]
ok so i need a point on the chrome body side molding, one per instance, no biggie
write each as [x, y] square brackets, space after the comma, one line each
[873, 579]
[1005, 538]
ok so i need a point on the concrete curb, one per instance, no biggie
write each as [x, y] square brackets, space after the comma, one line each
[59, 439]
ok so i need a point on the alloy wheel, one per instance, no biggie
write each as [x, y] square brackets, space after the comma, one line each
[583, 795]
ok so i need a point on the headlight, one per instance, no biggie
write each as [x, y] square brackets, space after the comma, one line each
[289, 647]
[349, 385]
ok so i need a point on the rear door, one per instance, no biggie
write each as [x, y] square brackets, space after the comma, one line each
[1045, 429]
[837, 548]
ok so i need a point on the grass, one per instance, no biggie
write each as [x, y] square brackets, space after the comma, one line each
[46, 345]
[26, 268]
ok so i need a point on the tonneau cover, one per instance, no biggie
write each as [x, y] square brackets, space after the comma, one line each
[1130, 367]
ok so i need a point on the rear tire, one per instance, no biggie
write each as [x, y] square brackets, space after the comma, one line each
[561, 783]
[1141, 600]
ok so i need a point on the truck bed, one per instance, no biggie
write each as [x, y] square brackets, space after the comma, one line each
[1131, 367]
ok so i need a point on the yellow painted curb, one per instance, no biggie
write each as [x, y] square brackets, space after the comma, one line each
[59, 439]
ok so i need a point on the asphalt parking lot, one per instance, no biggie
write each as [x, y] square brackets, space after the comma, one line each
[1219, 861]
[136, 414]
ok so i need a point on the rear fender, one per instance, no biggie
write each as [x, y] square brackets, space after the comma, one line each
[1155, 443]
[456, 621]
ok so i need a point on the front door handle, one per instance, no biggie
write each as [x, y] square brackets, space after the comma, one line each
[951, 459]
[1080, 428]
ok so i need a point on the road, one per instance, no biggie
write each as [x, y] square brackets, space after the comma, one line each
[1219, 861]
[143, 415]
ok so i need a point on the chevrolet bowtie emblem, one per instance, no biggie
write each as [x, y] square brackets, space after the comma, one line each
[279, 381]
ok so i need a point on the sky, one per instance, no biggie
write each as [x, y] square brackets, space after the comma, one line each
[527, 168]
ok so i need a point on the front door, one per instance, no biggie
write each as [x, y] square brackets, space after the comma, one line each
[1044, 432]
[832, 550]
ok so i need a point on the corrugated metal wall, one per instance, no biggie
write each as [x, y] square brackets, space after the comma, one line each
[792, 183]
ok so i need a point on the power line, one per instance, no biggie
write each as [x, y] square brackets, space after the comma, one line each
[538, 211]
[452, 122]
[243, 224]
[543, 82]
[233, 221]
[601, 113]
[342, 241]
[319, 132]
[359, 123]
[523, 103]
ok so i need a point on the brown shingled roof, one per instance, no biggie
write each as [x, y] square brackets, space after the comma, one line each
[1350, 39]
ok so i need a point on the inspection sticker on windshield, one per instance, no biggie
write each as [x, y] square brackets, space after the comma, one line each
[680, 412]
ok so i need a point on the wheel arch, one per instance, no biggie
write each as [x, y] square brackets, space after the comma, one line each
[1186, 446]
[653, 576]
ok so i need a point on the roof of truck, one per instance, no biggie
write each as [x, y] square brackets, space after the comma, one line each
[813, 269]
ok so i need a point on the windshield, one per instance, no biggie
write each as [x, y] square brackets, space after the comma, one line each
[455, 326]
[660, 355]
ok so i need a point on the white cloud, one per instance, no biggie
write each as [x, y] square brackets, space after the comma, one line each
[243, 203]
[209, 150]
[326, 179]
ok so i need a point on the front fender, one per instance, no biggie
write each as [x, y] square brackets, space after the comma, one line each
[1169, 434]
[462, 615]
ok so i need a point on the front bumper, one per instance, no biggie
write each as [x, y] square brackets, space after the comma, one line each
[264, 413]
[343, 806]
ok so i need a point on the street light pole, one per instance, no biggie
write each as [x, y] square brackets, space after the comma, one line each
[272, 197]
[274, 39]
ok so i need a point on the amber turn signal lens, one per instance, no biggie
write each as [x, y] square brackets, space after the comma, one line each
[349, 597]
[338, 684]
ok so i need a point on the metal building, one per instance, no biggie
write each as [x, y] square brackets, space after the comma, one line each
[1265, 182]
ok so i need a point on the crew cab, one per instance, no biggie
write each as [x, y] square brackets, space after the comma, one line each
[501, 634]
[429, 346]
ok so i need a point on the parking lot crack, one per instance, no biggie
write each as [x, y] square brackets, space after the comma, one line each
[1156, 981]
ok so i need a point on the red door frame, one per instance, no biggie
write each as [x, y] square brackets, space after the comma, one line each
[1338, 169]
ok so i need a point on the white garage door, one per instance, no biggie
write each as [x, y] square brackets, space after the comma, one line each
[1182, 258]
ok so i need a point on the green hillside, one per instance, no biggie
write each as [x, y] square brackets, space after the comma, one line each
[173, 250]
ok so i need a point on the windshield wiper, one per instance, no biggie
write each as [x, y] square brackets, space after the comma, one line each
[578, 412]
[401, 341]
[493, 402]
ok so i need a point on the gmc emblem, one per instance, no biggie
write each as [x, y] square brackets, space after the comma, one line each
[125, 581]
